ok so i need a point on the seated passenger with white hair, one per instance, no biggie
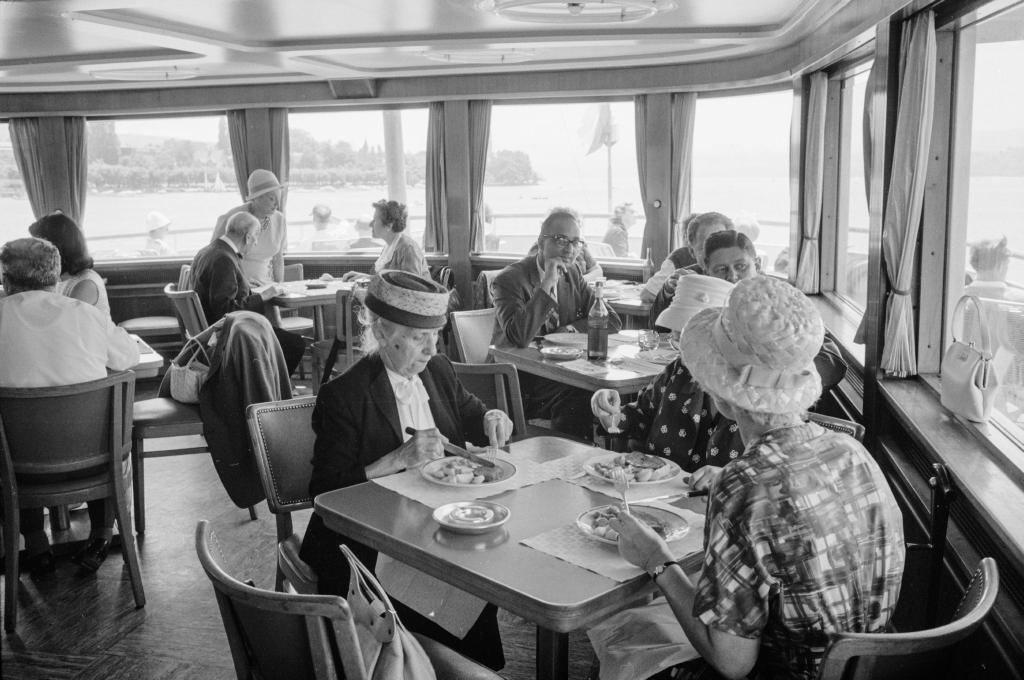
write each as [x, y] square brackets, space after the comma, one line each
[394, 410]
[49, 339]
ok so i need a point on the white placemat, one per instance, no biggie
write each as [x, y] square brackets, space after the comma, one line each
[412, 484]
[569, 544]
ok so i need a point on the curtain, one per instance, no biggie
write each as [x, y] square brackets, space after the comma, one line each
[640, 125]
[684, 110]
[51, 157]
[259, 140]
[435, 236]
[904, 201]
[867, 126]
[479, 138]
[808, 272]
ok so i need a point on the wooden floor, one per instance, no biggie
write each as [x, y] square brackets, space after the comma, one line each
[86, 626]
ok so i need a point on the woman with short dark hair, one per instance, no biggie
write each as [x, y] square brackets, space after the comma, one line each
[78, 279]
[390, 219]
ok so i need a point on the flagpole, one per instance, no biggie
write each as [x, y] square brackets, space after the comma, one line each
[608, 149]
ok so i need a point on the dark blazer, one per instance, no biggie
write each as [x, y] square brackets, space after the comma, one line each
[522, 311]
[218, 279]
[356, 423]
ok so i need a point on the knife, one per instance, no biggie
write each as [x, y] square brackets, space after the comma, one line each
[458, 451]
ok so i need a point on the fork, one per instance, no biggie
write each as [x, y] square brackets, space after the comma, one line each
[621, 486]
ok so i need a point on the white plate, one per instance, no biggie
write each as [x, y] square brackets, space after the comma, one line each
[590, 467]
[566, 338]
[472, 517]
[668, 525]
[561, 353]
[508, 470]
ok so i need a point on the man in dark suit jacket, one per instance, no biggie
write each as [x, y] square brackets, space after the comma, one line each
[541, 294]
[222, 287]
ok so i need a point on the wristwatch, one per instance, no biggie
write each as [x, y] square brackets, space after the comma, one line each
[659, 570]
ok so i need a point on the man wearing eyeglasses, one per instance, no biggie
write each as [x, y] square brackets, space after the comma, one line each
[541, 294]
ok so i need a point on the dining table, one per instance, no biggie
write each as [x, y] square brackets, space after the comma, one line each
[314, 294]
[509, 565]
[628, 369]
[150, 361]
[624, 298]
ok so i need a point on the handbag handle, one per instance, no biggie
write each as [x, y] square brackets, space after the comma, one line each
[960, 311]
[199, 349]
[364, 579]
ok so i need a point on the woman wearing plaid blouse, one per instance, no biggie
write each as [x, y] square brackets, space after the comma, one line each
[803, 535]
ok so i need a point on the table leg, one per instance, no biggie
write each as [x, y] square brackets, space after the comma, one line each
[318, 322]
[552, 655]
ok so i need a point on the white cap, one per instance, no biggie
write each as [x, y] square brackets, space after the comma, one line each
[156, 220]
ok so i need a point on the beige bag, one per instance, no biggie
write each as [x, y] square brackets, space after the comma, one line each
[969, 381]
[189, 377]
[390, 652]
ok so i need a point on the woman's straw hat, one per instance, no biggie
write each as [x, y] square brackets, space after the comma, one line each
[693, 293]
[758, 351]
[262, 182]
[408, 299]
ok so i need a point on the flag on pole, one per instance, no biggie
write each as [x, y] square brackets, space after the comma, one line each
[606, 132]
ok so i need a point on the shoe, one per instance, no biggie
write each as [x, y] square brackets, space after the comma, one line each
[93, 554]
[40, 565]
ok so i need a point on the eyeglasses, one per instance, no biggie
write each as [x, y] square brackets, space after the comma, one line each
[563, 241]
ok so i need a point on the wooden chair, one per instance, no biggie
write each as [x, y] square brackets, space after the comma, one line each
[851, 656]
[290, 320]
[855, 430]
[189, 309]
[282, 441]
[497, 385]
[81, 460]
[290, 635]
[482, 288]
[343, 350]
[473, 330]
[147, 327]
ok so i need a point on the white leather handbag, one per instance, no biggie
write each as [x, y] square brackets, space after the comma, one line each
[969, 382]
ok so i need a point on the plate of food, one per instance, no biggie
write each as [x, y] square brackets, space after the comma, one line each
[566, 338]
[639, 467]
[595, 523]
[314, 285]
[561, 353]
[472, 517]
[458, 471]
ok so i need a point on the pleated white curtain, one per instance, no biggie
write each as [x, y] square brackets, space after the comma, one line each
[435, 235]
[479, 138]
[904, 202]
[684, 113]
[259, 140]
[808, 272]
[51, 157]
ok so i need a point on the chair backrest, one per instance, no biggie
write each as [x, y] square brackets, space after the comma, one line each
[95, 423]
[855, 430]
[294, 272]
[482, 288]
[189, 309]
[282, 441]
[473, 330]
[850, 656]
[281, 635]
[185, 277]
[497, 385]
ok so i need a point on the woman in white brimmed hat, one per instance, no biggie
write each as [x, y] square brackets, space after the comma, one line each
[264, 263]
[803, 537]
[363, 421]
[390, 218]
[672, 417]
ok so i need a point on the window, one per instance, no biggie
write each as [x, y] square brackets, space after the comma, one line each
[993, 218]
[581, 156]
[178, 168]
[14, 205]
[852, 234]
[741, 167]
[339, 167]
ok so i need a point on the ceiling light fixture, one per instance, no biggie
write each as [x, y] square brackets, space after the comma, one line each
[146, 74]
[479, 56]
[576, 11]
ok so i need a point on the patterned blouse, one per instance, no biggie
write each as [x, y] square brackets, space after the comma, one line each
[670, 419]
[804, 538]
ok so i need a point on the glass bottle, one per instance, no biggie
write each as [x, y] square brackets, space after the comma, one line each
[648, 270]
[597, 325]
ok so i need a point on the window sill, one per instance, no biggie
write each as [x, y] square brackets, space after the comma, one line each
[991, 485]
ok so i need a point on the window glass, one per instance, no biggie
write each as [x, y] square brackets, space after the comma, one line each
[339, 168]
[156, 185]
[852, 239]
[994, 239]
[14, 205]
[581, 156]
[741, 167]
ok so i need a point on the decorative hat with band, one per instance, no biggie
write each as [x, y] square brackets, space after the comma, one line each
[758, 351]
[693, 293]
[262, 182]
[408, 299]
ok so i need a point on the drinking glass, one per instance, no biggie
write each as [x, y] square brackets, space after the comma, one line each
[647, 339]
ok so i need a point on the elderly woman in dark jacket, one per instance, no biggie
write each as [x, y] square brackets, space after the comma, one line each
[361, 421]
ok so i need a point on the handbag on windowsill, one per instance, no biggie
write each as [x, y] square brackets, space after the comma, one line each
[969, 382]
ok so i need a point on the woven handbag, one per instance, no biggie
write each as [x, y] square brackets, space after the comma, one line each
[969, 382]
[188, 372]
